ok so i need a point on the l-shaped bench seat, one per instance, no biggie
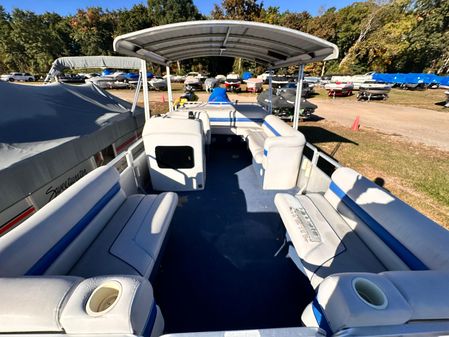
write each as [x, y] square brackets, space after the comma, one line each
[357, 226]
[277, 150]
[91, 229]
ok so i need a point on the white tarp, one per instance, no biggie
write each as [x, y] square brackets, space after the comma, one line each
[46, 130]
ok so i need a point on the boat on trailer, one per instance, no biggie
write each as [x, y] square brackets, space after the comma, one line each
[339, 89]
[268, 235]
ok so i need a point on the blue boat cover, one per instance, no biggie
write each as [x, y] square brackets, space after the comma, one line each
[411, 78]
[219, 95]
[246, 75]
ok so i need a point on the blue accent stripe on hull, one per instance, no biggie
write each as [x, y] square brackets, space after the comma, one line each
[397, 247]
[48, 258]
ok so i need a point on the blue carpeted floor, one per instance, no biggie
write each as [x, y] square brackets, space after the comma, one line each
[219, 271]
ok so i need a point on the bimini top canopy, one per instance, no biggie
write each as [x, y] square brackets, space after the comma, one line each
[88, 62]
[268, 44]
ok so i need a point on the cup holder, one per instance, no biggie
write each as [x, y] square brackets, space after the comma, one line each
[103, 298]
[369, 293]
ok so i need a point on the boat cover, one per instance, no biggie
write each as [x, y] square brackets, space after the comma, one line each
[411, 78]
[219, 95]
[246, 75]
[46, 130]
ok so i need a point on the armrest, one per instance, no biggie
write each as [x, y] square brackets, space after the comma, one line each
[110, 305]
[33, 304]
[352, 300]
[283, 142]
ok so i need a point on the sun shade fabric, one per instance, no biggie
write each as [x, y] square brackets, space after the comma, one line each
[91, 62]
[273, 45]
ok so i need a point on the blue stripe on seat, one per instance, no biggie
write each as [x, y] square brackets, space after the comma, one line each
[150, 321]
[397, 247]
[277, 134]
[48, 258]
[236, 119]
[265, 152]
[320, 318]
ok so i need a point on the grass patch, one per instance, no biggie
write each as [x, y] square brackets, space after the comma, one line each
[417, 174]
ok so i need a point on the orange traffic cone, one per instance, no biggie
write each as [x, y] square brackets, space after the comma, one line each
[356, 124]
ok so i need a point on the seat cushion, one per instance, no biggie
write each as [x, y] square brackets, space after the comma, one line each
[131, 241]
[322, 239]
[256, 141]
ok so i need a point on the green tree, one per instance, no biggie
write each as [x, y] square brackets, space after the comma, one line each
[429, 38]
[31, 46]
[248, 10]
[5, 32]
[126, 21]
[299, 21]
[92, 30]
[163, 12]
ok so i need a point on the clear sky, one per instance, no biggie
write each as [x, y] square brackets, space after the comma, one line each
[69, 6]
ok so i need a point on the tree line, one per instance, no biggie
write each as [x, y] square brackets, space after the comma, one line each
[374, 35]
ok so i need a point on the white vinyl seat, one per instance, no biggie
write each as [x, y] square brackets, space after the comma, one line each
[95, 230]
[277, 150]
[113, 305]
[198, 115]
[357, 226]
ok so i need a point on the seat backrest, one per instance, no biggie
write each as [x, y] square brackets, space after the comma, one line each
[273, 126]
[53, 239]
[419, 242]
[200, 115]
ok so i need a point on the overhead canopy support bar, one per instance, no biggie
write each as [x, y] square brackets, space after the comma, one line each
[170, 93]
[299, 84]
[137, 92]
[146, 99]
[270, 90]
[226, 37]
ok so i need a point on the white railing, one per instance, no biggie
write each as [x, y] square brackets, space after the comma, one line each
[132, 167]
[313, 177]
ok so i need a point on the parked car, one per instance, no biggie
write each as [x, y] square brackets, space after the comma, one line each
[18, 77]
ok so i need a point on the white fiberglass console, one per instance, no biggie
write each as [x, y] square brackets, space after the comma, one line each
[176, 155]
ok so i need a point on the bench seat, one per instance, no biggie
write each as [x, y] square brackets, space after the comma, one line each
[357, 226]
[131, 242]
[91, 229]
[277, 150]
[326, 244]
